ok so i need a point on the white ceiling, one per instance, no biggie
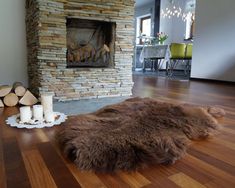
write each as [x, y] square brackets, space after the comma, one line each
[140, 3]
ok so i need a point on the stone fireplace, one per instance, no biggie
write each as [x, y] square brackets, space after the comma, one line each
[80, 49]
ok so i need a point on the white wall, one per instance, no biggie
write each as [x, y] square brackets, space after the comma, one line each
[13, 62]
[165, 23]
[178, 25]
[214, 44]
[174, 27]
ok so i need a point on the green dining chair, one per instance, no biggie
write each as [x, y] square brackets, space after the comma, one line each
[188, 58]
[177, 50]
[177, 55]
[189, 50]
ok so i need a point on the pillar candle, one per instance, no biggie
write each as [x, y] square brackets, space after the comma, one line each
[25, 114]
[47, 102]
[38, 112]
[49, 116]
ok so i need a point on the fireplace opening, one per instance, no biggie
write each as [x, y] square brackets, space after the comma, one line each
[90, 43]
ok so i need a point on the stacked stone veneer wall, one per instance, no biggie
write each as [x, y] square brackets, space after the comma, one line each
[46, 42]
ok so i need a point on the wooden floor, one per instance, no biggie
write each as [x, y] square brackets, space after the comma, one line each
[30, 158]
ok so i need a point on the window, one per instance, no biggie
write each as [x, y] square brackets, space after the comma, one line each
[144, 27]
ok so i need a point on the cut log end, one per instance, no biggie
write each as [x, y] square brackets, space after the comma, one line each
[28, 99]
[1, 104]
[106, 48]
[16, 84]
[4, 90]
[20, 91]
[11, 100]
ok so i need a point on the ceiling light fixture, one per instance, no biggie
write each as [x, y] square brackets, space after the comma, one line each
[174, 10]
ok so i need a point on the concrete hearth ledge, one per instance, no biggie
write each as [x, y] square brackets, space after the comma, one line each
[85, 105]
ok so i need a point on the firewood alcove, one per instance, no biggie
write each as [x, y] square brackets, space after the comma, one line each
[90, 43]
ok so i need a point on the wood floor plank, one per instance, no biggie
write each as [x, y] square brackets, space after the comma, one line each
[2, 170]
[218, 184]
[149, 186]
[4, 114]
[134, 179]
[14, 166]
[166, 170]
[193, 171]
[39, 175]
[185, 181]
[217, 173]
[86, 179]
[228, 131]
[112, 180]
[60, 173]
[213, 161]
[216, 151]
[230, 127]
[157, 178]
[29, 138]
[42, 136]
[227, 135]
[2, 166]
[223, 143]
[228, 122]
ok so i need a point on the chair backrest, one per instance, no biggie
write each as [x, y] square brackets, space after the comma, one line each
[158, 51]
[177, 50]
[189, 50]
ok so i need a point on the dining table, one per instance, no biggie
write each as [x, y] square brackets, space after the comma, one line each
[157, 55]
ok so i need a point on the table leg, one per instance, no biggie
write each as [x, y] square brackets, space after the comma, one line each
[144, 65]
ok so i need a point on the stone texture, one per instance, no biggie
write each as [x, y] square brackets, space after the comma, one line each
[46, 42]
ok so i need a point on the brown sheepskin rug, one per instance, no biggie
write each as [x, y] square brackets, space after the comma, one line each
[136, 132]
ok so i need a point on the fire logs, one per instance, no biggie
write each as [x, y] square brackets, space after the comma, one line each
[28, 99]
[19, 89]
[4, 90]
[1, 104]
[87, 53]
[16, 94]
[11, 99]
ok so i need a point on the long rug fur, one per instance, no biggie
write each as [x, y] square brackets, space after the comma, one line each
[136, 132]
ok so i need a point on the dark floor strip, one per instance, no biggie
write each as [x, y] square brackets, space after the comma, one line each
[59, 171]
[2, 166]
[213, 161]
[14, 165]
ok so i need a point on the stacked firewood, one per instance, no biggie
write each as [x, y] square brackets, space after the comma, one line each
[16, 94]
[87, 53]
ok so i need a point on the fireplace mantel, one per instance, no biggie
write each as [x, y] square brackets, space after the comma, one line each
[47, 49]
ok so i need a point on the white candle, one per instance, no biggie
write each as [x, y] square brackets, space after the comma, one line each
[47, 102]
[25, 114]
[49, 116]
[38, 112]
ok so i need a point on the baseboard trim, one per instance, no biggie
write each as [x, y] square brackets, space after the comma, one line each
[160, 70]
[213, 81]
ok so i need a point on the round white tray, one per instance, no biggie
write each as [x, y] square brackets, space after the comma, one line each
[13, 121]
